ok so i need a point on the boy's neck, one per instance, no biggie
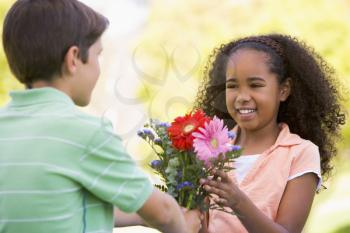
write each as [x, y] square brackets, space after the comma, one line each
[55, 83]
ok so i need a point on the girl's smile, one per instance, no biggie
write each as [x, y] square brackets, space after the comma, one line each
[246, 114]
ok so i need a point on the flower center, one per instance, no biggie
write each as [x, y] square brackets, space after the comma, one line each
[188, 128]
[214, 143]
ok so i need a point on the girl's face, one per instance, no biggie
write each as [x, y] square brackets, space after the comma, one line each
[253, 93]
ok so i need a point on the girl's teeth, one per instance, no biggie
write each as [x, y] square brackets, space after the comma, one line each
[246, 111]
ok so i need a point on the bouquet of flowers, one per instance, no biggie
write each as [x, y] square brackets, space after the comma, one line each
[188, 149]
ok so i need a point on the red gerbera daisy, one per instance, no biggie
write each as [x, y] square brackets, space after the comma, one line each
[181, 129]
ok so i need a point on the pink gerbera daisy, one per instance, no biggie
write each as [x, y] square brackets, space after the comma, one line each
[211, 141]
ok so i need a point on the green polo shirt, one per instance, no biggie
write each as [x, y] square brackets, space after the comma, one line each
[61, 171]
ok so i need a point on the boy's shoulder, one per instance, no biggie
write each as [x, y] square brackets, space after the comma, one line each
[83, 119]
[88, 127]
[82, 128]
[47, 111]
[87, 118]
[84, 122]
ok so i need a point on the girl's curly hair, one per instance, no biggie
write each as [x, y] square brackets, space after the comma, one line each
[313, 109]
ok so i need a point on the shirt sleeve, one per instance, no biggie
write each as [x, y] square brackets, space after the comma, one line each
[111, 174]
[307, 161]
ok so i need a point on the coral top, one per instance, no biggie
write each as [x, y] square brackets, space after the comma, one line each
[290, 157]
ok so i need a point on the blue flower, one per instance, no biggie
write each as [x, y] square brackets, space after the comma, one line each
[231, 135]
[141, 134]
[185, 184]
[158, 141]
[179, 175]
[148, 133]
[156, 163]
[234, 148]
[164, 124]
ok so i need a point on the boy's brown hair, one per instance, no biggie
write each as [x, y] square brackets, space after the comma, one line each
[38, 33]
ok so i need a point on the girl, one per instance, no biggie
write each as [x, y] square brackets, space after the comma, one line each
[282, 102]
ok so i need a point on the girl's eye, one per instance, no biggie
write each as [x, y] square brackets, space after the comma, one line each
[230, 86]
[256, 85]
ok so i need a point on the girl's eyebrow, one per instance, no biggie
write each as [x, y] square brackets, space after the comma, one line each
[251, 79]
[231, 80]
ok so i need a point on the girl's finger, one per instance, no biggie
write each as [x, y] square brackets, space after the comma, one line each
[212, 183]
[213, 190]
[223, 175]
[209, 184]
[221, 201]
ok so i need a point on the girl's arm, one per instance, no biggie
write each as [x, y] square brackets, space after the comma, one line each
[293, 210]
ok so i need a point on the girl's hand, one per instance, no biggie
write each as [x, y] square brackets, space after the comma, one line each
[228, 193]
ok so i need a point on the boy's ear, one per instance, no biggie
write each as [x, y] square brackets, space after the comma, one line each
[285, 89]
[71, 60]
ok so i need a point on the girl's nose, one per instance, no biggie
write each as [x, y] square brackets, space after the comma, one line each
[243, 96]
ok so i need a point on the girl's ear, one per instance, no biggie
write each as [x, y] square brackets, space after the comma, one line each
[285, 89]
[70, 61]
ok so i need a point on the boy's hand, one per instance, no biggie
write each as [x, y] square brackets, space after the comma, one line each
[228, 193]
[193, 219]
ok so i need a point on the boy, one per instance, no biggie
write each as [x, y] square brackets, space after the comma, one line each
[62, 170]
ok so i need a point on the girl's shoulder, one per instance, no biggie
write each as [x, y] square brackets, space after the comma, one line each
[295, 143]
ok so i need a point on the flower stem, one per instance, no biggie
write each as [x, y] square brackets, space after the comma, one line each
[189, 201]
[183, 160]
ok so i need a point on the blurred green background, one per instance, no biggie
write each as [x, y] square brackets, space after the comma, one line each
[173, 45]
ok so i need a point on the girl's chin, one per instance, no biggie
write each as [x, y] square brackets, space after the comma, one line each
[248, 125]
[245, 118]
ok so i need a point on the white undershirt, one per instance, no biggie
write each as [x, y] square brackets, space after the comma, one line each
[243, 164]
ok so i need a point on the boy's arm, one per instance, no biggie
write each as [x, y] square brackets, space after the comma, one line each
[204, 225]
[163, 213]
[123, 219]
[205, 219]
